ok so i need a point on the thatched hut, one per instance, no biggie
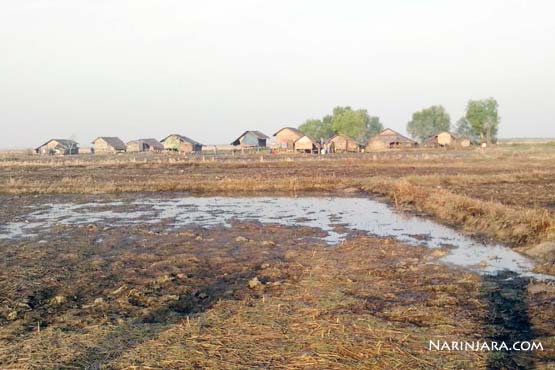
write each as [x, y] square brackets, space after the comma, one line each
[443, 139]
[340, 143]
[307, 144]
[251, 139]
[447, 139]
[145, 145]
[182, 144]
[105, 144]
[286, 137]
[58, 147]
[464, 142]
[390, 139]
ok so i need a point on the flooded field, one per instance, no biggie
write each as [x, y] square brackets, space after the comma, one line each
[335, 217]
[177, 281]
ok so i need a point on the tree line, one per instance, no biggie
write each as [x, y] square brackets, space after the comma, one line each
[357, 124]
[479, 124]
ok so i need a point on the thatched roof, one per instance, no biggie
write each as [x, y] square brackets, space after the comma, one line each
[153, 143]
[434, 138]
[348, 138]
[391, 136]
[114, 142]
[256, 133]
[289, 128]
[66, 143]
[310, 138]
[182, 138]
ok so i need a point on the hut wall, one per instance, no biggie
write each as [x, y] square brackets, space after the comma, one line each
[339, 144]
[286, 139]
[101, 146]
[185, 147]
[352, 146]
[249, 139]
[49, 148]
[305, 144]
[135, 146]
[344, 144]
[465, 143]
[154, 148]
[445, 138]
[376, 144]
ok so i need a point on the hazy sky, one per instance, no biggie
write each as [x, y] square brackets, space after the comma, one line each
[211, 69]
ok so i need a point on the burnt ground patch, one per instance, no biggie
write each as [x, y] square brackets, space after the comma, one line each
[135, 281]
[141, 295]
[507, 320]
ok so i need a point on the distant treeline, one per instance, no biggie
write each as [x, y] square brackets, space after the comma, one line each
[479, 124]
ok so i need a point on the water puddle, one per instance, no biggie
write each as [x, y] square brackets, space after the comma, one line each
[335, 216]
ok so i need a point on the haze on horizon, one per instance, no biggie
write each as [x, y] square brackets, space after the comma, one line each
[212, 69]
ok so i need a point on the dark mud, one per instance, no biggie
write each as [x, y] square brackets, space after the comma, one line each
[98, 295]
[507, 319]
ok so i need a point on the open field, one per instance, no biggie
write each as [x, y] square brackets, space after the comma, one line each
[506, 193]
[91, 294]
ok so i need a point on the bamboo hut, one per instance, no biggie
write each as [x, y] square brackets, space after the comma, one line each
[307, 144]
[58, 147]
[182, 144]
[251, 139]
[105, 144]
[390, 139]
[286, 137]
[464, 142]
[340, 143]
[145, 145]
[447, 139]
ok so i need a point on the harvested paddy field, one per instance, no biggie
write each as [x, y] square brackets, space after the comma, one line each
[148, 263]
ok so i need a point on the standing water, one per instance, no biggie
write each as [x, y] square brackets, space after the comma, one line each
[336, 216]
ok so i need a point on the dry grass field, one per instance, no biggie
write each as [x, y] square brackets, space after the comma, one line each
[253, 296]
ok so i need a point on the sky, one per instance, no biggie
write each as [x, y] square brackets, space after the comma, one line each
[211, 69]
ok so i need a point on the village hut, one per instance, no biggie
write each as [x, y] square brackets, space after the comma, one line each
[251, 139]
[447, 139]
[464, 142]
[286, 137]
[340, 143]
[443, 139]
[58, 147]
[307, 144]
[106, 144]
[145, 145]
[389, 139]
[182, 144]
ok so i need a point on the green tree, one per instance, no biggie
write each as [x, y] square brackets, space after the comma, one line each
[343, 120]
[483, 117]
[463, 128]
[355, 123]
[428, 122]
[318, 129]
[373, 127]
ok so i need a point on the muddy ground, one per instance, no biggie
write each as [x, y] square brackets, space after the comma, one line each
[268, 296]
[250, 296]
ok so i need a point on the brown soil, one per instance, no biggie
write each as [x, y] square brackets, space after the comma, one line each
[146, 299]
[141, 298]
[182, 301]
